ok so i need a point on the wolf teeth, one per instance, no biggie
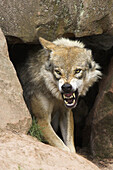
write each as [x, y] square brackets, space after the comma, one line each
[66, 102]
[71, 97]
[74, 95]
[65, 97]
[69, 104]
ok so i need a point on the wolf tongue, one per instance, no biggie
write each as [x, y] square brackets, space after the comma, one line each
[70, 101]
[68, 94]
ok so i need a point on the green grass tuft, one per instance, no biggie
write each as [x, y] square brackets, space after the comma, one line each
[36, 131]
[19, 168]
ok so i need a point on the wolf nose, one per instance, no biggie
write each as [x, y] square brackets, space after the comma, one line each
[66, 87]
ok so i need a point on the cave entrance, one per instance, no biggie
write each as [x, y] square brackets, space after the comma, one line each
[102, 50]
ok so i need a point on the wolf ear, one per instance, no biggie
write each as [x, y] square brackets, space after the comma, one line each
[47, 44]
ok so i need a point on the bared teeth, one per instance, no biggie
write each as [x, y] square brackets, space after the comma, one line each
[70, 97]
[64, 96]
[70, 104]
[66, 102]
[69, 100]
[74, 95]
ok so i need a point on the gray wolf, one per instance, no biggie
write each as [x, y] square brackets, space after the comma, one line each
[53, 78]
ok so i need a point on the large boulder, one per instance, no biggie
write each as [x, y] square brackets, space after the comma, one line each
[102, 125]
[14, 114]
[95, 17]
[25, 21]
[25, 152]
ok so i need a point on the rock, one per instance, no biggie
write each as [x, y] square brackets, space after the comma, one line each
[94, 17]
[102, 125]
[14, 114]
[105, 164]
[25, 21]
[25, 152]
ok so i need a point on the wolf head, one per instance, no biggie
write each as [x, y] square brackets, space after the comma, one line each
[70, 70]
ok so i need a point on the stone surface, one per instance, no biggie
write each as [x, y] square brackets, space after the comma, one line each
[102, 125]
[95, 17]
[27, 20]
[25, 152]
[14, 115]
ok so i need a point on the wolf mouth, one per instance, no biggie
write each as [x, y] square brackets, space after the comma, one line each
[70, 99]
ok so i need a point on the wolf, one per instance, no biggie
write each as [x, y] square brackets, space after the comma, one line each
[53, 78]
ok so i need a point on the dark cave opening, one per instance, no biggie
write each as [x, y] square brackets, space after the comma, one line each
[102, 51]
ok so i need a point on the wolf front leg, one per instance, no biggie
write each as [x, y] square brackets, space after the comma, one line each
[67, 129]
[43, 114]
[50, 135]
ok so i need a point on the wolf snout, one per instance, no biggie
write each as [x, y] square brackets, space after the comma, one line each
[67, 88]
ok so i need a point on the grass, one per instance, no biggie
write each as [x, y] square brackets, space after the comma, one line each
[19, 168]
[36, 131]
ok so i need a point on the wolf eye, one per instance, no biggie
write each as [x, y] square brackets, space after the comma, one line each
[58, 72]
[77, 71]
